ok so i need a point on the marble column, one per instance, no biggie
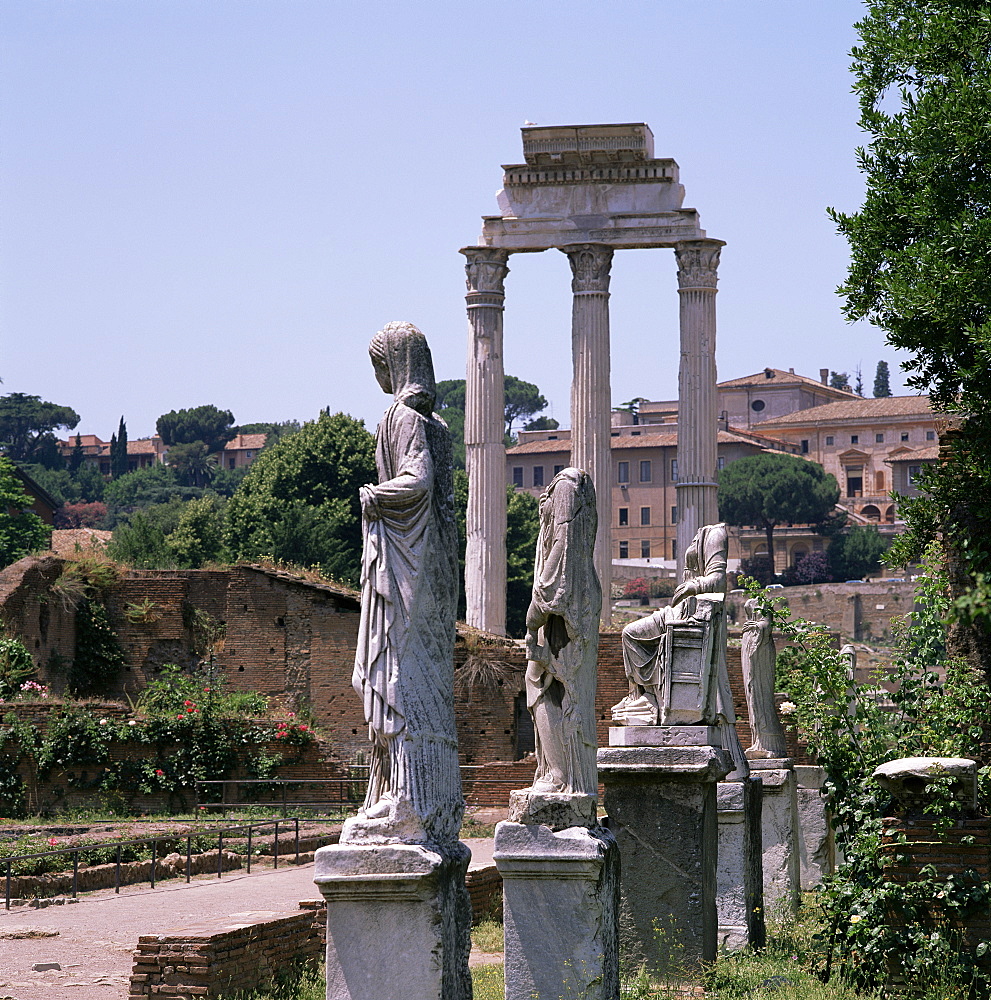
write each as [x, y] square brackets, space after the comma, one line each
[591, 403]
[485, 557]
[697, 402]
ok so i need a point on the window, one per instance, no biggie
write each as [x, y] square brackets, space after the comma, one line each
[805, 446]
[517, 475]
[914, 471]
[854, 439]
[645, 472]
[624, 550]
[674, 470]
[623, 475]
[557, 469]
[674, 515]
[829, 439]
[231, 462]
[879, 482]
[105, 468]
[674, 549]
[645, 549]
[644, 516]
[538, 475]
[248, 454]
[879, 439]
[757, 405]
[552, 437]
[904, 435]
[624, 516]
[930, 435]
[720, 463]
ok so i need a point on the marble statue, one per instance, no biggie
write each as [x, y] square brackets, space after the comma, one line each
[759, 656]
[648, 644]
[404, 664]
[563, 637]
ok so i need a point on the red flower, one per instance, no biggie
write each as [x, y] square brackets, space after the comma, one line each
[188, 703]
[303, 729]
[180, 716]
[279, 735]
[159, 772]
[52, 842]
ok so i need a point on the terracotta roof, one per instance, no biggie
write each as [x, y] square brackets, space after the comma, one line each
[782, 378]
[854, 409]
[640, 441]
[919, 455]
[144, 446]
[242, 442]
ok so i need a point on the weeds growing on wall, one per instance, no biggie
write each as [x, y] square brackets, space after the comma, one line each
[925, 705]
[16, 666]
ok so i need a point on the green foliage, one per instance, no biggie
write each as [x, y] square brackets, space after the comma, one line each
[198, 535]
[839, 380]
[193, 463]
[118, 451]
[85, 484]
[770, 489]
[176, 691]
[98, 658]
[542, 424]
[522, 528]
[299, 500]
[21, 530]
[156, 484]
[140, 539]
[16, 666]
[857, 552]
[273, 431]
[882, 383]
[523, 399]
[935, 709]
[919, 267]
[205, 424]
[26, 428]
[73, 739]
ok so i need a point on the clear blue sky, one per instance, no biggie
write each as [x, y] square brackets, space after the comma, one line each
[220, 201]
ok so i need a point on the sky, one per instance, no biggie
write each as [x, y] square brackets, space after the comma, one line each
[221, 201]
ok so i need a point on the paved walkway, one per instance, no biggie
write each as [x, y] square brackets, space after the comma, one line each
[93, 940]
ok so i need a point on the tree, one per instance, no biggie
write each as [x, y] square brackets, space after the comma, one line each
[193, 463]
[882, 386]
[857, 553]
[156, 484]
[118, 451]
[839, 380]
[198, 537]
[77, 457]
[542, 424]
[272, 431]
[919, 267]
[27, 424]
[523, 399]
[770, 489]
[139, 540]
[203, 423]
[858, 385]
[81, 515]
[633, 407]
[299, 502]
[21, 530]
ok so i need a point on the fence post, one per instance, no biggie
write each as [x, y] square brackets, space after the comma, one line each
[189, 856]
[117, 872]
[276, 865]
[8, 886]
[250, 828]
[220, 854]
[296, 821]
[75, 874]
[154, 862]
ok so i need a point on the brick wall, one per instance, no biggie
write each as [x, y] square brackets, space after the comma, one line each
[224, 957]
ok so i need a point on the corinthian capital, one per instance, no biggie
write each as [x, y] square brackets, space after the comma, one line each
[486, 269]
[590, 263]
[697, 263]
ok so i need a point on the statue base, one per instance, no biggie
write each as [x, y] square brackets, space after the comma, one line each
[739, 870]
[663, 736]
[780, 832]
[557, 810]
[560, 911]
[398, 921]
[661, 804]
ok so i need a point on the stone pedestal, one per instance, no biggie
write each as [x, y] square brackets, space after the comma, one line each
[739, 873]
[398, 921]
[661, 807]
[816, 846]
[560, 901]
[779, 828]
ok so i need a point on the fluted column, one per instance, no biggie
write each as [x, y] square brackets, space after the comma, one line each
[591, 403]
[697, 405]
[485, 557]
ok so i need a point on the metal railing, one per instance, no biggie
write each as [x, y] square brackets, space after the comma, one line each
[350, 792]
[155, 841]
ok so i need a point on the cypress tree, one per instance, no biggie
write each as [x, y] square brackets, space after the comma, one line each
[881, 385]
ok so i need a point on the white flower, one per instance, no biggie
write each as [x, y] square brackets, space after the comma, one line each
[132, 722]
[787, 708]
[856, 918]
[103, 722]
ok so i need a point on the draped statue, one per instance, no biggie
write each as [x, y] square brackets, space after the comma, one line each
[563, 637]
[759, 658]
[404, 664]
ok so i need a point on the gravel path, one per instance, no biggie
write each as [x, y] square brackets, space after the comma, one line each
[93, 940]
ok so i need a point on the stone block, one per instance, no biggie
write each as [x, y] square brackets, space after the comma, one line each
[556, 810]
[661, 807]
[398, 921]
[560, 908]
[663, 736]
[739, 872]
[816, 846]
[779, 828]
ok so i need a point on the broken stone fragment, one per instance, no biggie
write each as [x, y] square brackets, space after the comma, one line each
[909, 779]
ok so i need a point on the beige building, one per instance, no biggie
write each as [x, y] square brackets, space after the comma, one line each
[242, 450]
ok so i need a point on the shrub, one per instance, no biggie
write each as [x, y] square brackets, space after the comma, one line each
[16, 666]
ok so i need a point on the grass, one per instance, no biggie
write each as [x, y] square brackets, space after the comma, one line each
[487, 936]
[311, 985]
[488, 982]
